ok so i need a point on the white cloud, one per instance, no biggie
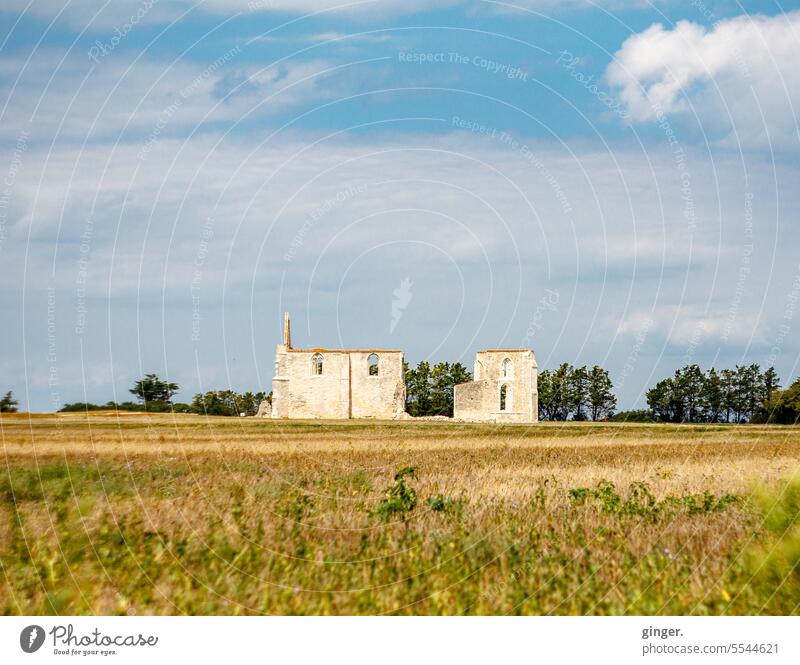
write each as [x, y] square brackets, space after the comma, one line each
[118, 13]
[425, 207]
[148, 96]
[727, 76]
[689, 326]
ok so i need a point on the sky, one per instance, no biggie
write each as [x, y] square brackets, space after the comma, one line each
[608, 182]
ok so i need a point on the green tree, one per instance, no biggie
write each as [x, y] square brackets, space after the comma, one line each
[748, 390]
[730, 402]
[562, 398]
[578, 392]
[783, 406]
[712, 398]
[153, 389]
[688, 387]
[418, 389]
[441, 390]
[662, 400]
[8, 404]
[545, 388]
[226, 403]
[769, 384]
[430, 390]
[602, 401]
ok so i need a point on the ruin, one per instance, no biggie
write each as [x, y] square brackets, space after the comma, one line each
[370, 383]
[336, 383]
[504, 389]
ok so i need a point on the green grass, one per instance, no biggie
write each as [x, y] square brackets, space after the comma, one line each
[197, 516]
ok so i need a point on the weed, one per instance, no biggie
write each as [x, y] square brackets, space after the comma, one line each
[399, 499]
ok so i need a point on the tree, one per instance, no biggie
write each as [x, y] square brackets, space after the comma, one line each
[8, 404]
[602, 401]
[226, 403]
[748, 380]
[441, 390]
[769, 384]
[783, 406]
[661, 400]
[153, 389]
[561, 391]
[688, 386]
[712, 397]
[729, 398]
[545, 388]
[430, 391]
[418, 389]
[578, 392]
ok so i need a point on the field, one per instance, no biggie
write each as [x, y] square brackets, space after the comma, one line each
[154, 514]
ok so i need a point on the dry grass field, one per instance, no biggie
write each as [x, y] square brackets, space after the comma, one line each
[122, 513]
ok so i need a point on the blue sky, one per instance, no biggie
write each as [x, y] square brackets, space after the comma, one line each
[609, 182]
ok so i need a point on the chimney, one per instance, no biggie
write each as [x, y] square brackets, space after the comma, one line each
[287, 334]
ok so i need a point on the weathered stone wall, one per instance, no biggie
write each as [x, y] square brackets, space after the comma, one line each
[382, 395]
[345, 389]
[480, 399]
[471, 400]
[297, 392]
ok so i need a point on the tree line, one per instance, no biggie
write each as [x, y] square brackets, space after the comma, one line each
[429, 389]
[739, 395]
[576, 392]
[734, 395]
[154, 395]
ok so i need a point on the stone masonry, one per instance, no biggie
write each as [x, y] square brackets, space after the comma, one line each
[370, 383]
[337, 383]
[504, 389]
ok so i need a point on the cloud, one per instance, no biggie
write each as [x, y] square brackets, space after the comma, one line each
[740, 77]
[335, 226]
[687, 326]
[119, 13]
[146, 96]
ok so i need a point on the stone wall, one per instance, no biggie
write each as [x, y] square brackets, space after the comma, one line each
[379, 396]
[344, 389]
[480, 400]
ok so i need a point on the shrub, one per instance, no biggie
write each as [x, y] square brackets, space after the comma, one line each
[441, 503]
[773, 565]
[641, 502]
[635, 416]
[400, 499]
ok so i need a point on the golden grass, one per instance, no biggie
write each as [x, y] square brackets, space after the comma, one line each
[115, 512]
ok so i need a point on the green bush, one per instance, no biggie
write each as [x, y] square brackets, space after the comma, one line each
[400, 499]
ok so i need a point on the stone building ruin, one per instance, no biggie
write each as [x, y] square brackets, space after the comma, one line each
[370, 383]
[337, 383]
[503, 390]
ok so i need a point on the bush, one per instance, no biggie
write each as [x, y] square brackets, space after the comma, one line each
[782, 407]
[773, 565]
[641, 502]
[635, 416]
[8, 404]
[400, 499]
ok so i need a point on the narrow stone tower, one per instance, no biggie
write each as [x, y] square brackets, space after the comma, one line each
[287, 331]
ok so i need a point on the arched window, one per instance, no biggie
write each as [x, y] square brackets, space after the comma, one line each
[373, 364]
[507, 368]
[316, 364]
[478, 370]
[503, 397]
